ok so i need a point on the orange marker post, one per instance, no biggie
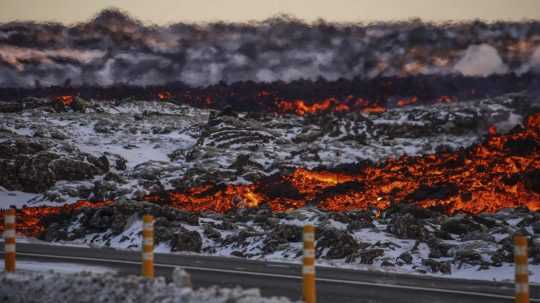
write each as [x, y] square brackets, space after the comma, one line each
[9, 240]
[148, 247]
[308, 269]
[522, 272]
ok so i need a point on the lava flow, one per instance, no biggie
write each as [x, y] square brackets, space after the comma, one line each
[502, 172]
[302, 107]
[29, 218]
[298, 97]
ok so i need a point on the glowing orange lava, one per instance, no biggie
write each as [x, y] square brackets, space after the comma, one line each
[484, 178]
[163, 96]
[66, 100]
[29, 218]
[349, 104]
[407, 101]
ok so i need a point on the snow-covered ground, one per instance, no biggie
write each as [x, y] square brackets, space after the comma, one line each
[373, 247]
[97, 288]
[58, 267]
[19, 198]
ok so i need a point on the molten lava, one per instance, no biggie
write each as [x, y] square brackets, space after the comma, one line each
[302, 107]
[29, 218]
[484, 178]
[349, 104]
[499, 173]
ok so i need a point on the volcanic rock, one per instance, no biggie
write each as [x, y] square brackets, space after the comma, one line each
[211, 233]
[436, 266]
[340, 244]
[101, 162]
[368, 256]
[521, 147]
[72, 170]
[459, 226]
[287, 233]
[101, 220]
[435, 192]
[187, 241]
[468, 256]
[532, 180]
[54, 232]
[406, 257]
[34, 165]
[406, 226]
[118, 223]
[276, 187]
[80, 105]
[355, 220]
[536, 228]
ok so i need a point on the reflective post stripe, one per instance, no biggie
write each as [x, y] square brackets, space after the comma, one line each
[9, 241]
[308, 269]
[522, 273]
[148, 247]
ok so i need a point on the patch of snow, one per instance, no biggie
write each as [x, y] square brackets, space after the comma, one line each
[58, 267]
[18, 199]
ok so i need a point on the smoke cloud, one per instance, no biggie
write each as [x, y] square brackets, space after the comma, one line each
[481, 60]
[114, 49]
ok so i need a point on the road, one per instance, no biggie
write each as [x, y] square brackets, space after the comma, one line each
[284, 279]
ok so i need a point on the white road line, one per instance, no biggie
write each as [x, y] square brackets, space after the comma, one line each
[394, 286]
[279, 266]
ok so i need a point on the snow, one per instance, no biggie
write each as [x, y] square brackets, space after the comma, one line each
[18, 199]
[58, 267]
[505, 273]
[101, 288]
[376, 237]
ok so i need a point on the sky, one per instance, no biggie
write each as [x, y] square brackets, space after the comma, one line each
[168, 11]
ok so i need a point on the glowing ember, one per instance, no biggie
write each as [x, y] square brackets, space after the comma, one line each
[375, 109]
[446, 99]
[492, 130]
[407, 101]
[66, 100]
[163, 96]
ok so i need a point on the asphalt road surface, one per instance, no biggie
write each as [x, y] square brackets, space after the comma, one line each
[284, 279]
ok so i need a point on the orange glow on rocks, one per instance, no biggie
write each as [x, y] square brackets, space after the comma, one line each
[66, 100]
[29, 218]
[492, 130]
[484, 178]
[349, 104]
[407, 101]
[163, 96]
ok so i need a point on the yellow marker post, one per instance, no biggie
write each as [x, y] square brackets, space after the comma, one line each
[522, 272]
[308, 269]
[9, 240]
[148, 247]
